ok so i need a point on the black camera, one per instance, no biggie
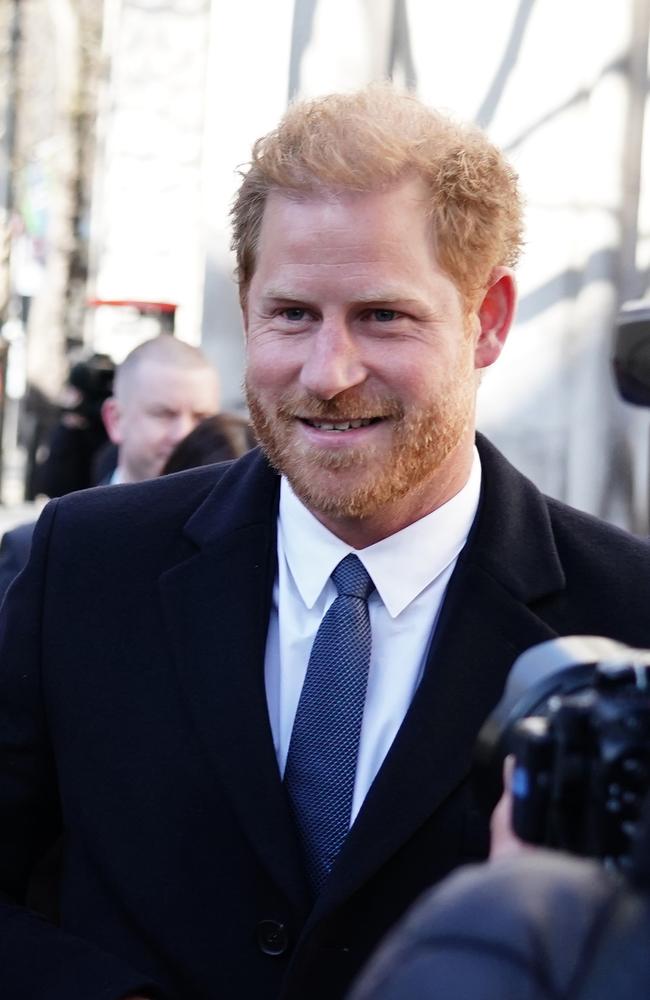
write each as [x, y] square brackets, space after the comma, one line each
[576, 716]
[631, 360]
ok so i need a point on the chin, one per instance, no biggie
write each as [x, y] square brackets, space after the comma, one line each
[352, 492]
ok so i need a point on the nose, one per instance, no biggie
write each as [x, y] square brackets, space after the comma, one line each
[333, 362]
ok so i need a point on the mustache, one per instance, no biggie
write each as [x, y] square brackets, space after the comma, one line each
[348, 405]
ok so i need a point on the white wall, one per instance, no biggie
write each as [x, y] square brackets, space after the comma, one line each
[561, 86]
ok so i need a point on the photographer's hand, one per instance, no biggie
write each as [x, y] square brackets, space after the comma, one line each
[503, 842]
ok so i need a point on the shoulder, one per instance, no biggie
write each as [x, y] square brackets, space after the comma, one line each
[18, 538]
[521, 889]
[14, 553]
[595, 539]
[515, 505]
[579, 574]
[486, 926]
[158, 520]
[148, 505]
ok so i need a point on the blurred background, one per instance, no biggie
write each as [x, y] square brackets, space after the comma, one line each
[122, 124]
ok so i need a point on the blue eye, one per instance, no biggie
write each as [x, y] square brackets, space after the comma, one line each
[384, 315]
[294, 315]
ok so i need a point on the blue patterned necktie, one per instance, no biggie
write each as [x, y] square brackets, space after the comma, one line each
[322, 758]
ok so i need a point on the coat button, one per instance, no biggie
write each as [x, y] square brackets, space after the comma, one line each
[272, 937]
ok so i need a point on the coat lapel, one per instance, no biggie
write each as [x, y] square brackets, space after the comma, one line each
[217, 605]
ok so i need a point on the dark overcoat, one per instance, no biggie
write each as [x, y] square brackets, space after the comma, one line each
[133, 721]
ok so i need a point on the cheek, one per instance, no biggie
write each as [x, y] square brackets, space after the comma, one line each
[152, 432]
[427, 379]
[271, 368]
[413, 377]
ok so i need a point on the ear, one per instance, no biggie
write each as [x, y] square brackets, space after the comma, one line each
[112, 418]
[495, 315]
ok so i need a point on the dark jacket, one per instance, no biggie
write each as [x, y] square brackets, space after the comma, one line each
[133, 717]
[14, 553]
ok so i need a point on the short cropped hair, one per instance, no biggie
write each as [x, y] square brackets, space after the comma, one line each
[371, 139]
[164, 349]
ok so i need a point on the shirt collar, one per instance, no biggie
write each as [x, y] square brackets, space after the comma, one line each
[401, 566]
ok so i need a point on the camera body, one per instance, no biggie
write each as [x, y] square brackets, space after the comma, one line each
[576, 716]
[631, 360]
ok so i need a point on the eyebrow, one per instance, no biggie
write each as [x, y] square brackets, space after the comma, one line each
[385, 297]
[388, 299]
[280, 295]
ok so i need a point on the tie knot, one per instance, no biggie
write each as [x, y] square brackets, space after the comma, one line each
[351, 578]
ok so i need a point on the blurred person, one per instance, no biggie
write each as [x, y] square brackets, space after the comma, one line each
[161, 391]
[37, 418]
[77, 448]
[532, 924]
[219, 438]
[79, 435]
[266, 756]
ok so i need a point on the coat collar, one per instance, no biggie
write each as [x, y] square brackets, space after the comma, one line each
[512, 539]
[246, 493]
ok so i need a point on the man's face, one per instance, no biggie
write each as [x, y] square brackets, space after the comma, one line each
[360, 378]
[160, 405]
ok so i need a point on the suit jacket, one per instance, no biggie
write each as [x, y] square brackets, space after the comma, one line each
[133, 717]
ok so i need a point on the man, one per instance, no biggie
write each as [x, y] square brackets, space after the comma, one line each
[162, 389]
[246, 664]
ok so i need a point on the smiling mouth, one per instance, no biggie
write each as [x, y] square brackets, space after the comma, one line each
[340, 425]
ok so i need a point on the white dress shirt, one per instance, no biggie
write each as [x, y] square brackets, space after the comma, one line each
[410, 571]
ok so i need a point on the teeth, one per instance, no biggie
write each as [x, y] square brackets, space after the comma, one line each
[344, 426]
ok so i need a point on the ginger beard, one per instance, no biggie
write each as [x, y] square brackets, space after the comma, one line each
[357, 482]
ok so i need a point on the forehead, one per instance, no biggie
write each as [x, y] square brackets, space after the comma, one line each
[154, 381]
[340, 219]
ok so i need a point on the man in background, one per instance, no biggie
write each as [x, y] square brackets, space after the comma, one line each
[250, 693]
[161, 391]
